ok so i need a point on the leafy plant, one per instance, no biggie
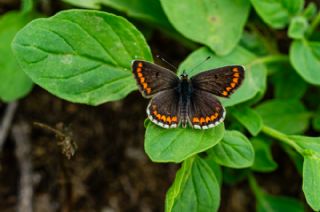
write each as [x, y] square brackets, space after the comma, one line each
[84, 56]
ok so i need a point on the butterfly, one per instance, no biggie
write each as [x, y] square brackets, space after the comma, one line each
[182, 100]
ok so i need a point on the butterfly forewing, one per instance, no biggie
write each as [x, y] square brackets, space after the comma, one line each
[220, 81]
[204, 110]
[164, 109]
[152, 78]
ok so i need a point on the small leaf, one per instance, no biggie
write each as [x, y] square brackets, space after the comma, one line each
[307, 143]
[270, 203]
[255, 74]
[287, 83]
[176, 145]
[305, 58]
[287, 116]
[82, 56]
[217, 24]
[194, 189]
[248, 118]
[234, 151]
[277, 13]
[14, 82]
[263, 161]
[310, 11]
[311, 181]
[297, 28]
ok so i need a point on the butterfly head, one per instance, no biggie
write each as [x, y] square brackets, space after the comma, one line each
[184, 75]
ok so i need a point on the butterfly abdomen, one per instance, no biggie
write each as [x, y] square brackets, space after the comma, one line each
[185, 91]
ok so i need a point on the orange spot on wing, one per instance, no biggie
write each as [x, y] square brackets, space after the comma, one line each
[140, 75]
[142, 79]
[140, 64]
[195, 120]
[174, 119]
[148, 90]
[235, 69]
[139, 69]
[233, 84]
[235, 80]
[213, 117]
[163, 118]
[207, 119]
[228, 88]
[202, 120]
[144, 85]
[159, 116]
[155, 113]
[224, 93]
[169, 119]
[236, 74]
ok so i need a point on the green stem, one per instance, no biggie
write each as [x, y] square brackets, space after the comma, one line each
[27, 6]
[281, 137]
[255, 188]
[314, 24]
[273, 58]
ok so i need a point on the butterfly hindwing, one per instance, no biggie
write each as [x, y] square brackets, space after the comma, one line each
[220, 81]
[164, 109]
[204, 110]
[152, 78]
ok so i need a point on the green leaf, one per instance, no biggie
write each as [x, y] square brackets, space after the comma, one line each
[93, 4]
[263, 161]
[277, 13]
[176, 145]
[14, 82]
[310, 11]
[297, 28]
[255, 74]
[307, 143]
[287, 83]
[311, 181]
[81, 56]
[217, 24]
[287, 116]
[234, 151]
[234, 176]
[248, 118]
[215, 168]
[194, 189]
[270, 203]
[305, 58]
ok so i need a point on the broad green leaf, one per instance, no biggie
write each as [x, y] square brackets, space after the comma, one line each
[305, 58]
[176, 145]
[297, 28]
[277, 13]
[263, 161]
[81, 56]
[215, 168]
[14, 82]
[93, 4]
[310, 11]
[217, 24]
[234, 151]
[194, 189]
[255, 74]
[248, 118]
[287, 116]
[145, 10]
[311, 181]
[287, 83]
[270, 203]
[307, 143]
[254, 42]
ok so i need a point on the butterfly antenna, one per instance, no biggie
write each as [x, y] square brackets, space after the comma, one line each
[158, 56]
[208, 58]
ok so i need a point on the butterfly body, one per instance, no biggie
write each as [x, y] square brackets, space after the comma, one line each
[182, 101]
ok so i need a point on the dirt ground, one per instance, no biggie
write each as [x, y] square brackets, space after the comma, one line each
[110, 171]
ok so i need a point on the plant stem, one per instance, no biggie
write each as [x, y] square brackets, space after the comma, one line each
[255, 188]
[314, 24]
[281, 137]
[270, 59]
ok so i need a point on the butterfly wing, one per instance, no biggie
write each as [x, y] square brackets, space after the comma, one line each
[164, 109]
[221, 81]
[204, 110]
[152, 78]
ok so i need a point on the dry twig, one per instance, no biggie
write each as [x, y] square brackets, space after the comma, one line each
[6, 122]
